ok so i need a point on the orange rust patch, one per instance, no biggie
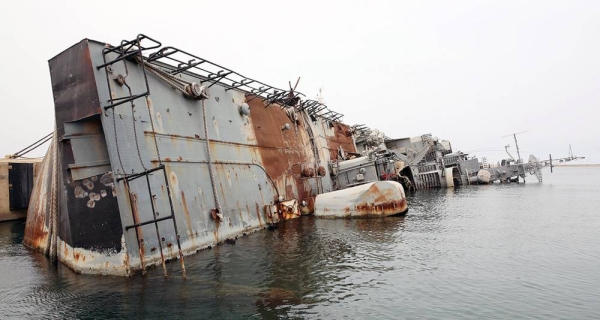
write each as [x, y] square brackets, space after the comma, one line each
[382, 208]
[341, 137]
[287, 155]
[281, 152]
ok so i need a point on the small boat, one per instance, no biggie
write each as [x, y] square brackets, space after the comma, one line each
[374, 199]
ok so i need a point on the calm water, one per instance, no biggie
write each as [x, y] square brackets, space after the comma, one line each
[501, 251]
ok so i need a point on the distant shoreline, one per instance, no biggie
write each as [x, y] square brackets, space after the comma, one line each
[577, 165]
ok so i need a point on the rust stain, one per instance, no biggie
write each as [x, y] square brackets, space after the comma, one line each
[341, 138]
[38, 215]
[258, 214]
[170, 249]
[389, 207]
[321, 171]
[376, 192]
[289, 192]
[308, 172]
[188, 219]
[136, 220]
[282, 154]
[287, 155]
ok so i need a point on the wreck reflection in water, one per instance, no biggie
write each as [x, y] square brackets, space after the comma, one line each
[496, 251]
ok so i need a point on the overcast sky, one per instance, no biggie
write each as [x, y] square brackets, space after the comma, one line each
[467, 71]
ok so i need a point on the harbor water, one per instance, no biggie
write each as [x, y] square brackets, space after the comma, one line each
[526, 250]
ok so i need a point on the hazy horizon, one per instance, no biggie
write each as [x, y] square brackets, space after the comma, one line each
[467, 71]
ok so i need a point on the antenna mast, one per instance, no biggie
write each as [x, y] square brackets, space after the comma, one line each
[516, 144]
[570, 152]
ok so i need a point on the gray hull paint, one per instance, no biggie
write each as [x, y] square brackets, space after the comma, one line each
[101, 216]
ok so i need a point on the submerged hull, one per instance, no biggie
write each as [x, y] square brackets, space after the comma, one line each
[144, 173]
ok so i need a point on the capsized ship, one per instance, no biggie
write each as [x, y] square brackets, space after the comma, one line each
[426, 161]
[158, 153]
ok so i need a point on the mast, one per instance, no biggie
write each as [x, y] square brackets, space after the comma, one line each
[519, 160]
[517, 145]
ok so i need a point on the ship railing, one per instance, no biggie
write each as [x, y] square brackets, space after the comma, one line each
[317, 109]
[176, 61]
[131, 49]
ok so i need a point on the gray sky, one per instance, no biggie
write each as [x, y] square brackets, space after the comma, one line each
[466, 71]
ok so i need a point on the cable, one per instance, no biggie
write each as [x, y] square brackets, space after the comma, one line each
[210, 164]
[31, 147]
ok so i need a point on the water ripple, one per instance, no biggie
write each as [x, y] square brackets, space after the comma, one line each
[499, 251]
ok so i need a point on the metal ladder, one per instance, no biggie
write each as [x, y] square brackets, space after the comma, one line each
[137, 224]
[131, 50]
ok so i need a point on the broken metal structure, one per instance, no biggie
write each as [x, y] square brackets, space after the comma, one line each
[511, 169]
[425, 161]
[417, 163]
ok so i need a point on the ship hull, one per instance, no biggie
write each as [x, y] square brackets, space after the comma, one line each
[140, 173]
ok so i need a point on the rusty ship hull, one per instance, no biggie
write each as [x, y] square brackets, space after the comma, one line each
[156, 156]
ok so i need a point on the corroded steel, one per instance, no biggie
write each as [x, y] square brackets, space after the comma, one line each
[119, 119]
[38, 212]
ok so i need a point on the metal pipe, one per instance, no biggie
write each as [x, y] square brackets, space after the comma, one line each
[132, 177]
[148, 222]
